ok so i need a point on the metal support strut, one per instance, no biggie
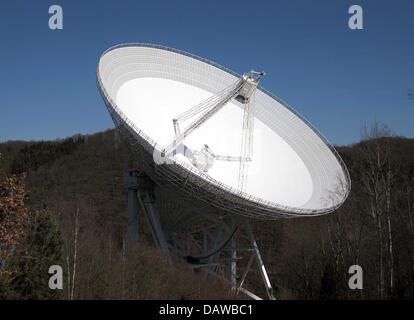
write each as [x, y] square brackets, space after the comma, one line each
[207, 247]
[243, 90]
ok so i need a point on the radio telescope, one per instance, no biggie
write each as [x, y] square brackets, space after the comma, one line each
[216, 149]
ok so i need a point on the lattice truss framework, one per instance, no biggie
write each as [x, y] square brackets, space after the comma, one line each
[217, 244]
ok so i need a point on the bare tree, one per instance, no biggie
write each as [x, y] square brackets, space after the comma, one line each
[344, 235]
[75, 252]
[377, 175]
[408, 191]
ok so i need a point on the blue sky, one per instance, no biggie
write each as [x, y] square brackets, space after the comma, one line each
[337, 78]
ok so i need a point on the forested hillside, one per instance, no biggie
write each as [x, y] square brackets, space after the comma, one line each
[79, 182]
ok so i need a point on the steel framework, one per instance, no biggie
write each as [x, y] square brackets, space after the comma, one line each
[207, 242]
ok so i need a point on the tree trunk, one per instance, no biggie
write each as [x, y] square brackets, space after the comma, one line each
[75, 254]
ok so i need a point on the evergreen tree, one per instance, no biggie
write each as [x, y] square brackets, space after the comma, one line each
[30, 244]
[29, 265]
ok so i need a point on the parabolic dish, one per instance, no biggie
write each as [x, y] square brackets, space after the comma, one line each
[294, 171]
